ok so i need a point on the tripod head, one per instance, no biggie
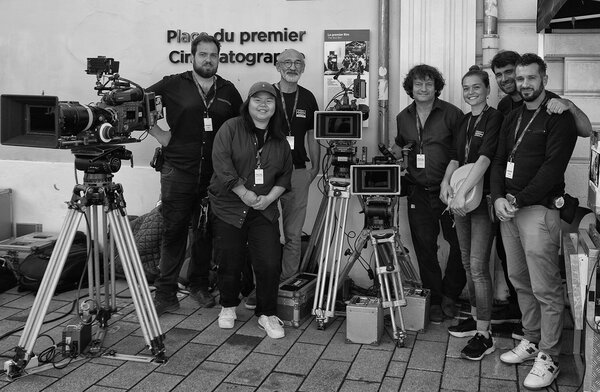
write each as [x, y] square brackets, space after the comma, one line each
[101, 159]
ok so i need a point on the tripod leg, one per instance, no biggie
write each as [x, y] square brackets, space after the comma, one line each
[323, 265]
[45, 293]
[309, 260]
[138, 286]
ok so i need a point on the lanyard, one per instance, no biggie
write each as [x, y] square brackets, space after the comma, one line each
[259, 150]
[469, 136]
[287, 119]
[518, 142]
[419, 132]
[203, 94]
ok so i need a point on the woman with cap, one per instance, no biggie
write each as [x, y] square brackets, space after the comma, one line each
[252, 168]
[476, 141]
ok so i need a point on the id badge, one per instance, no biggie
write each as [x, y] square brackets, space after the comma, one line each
[259, 176]
[510, 169]
[208, 124]
[290, 140]
[420, 161]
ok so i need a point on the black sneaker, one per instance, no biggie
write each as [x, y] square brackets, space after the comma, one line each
[163, 306]
[465, 328]
[517, 332]
[478, 347]
[203, 298]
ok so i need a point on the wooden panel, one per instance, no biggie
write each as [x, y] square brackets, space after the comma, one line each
[581, 75]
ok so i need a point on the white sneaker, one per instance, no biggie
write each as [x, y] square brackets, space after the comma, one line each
[272, 325]
[525, 351]
[543, 373]
[227, 317]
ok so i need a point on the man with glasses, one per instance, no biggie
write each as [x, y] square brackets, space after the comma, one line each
[429, 124]
[299, 106]
[197, 103]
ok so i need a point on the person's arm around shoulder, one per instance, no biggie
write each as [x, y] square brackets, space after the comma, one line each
[582, 122]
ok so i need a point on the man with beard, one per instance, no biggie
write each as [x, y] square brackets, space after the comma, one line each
[503, 65]
[197, 103]
[527, 183]
[298, 105]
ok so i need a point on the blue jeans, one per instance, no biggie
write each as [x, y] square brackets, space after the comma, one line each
[293, 213]
[475, 234]
[260, 238]
[532, 240]
[180, 197]
[425, 214]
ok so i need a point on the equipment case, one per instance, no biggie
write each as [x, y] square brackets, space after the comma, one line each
[21, 247]
[295, 299]
[364, 320]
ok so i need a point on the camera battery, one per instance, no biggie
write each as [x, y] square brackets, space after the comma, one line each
[416, 312]
[76, 338]
[364, 320]
[295, 299]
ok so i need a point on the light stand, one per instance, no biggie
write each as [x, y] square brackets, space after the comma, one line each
[97, 192]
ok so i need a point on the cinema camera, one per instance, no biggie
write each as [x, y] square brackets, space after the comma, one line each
[43, 121]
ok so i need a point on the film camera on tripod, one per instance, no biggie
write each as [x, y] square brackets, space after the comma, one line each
[93, 133]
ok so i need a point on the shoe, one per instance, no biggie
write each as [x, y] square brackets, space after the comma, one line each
[272, 325]
[203, 297]
[543, 373]
[162, 306]
[525, 351]
[436, 315]
[251, 300]
[478, 347]
[517, 332]
[227, 317]
[449, 307]
[506, 314]
[465, 328]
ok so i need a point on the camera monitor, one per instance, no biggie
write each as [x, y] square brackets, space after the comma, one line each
[371, 180]
[29, 121]
[340, 125]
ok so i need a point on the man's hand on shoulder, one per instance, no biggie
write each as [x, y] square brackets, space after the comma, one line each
[558, 105]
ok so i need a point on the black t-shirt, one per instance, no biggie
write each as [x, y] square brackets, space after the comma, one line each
[185, 112]
[507, 105]
[302, 120]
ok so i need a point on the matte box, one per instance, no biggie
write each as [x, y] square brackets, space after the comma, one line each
[364, 320]
[295, 299]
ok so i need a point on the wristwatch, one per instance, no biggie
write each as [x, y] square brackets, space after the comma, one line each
[558, 202]
[512, 200]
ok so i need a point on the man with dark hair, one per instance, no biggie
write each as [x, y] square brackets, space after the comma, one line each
[429, 124]
[298, 106]
[197, 103]
[503, 65]
[527, 181]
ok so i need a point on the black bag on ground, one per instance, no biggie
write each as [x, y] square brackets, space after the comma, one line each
[33, 267]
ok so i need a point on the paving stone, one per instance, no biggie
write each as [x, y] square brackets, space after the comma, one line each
[455, 346]
[8, 297]
[81, 378]
[359, 386]
[186, 359]
[489, 384]
[215, 335]
[279, 346]
[325, 376]
[339, 350]
[436, 332]
[461, 375]
[34, 382]
[166, 382]
[390, 384]
[209, 375]
[177, 338]
[396, 369]
[251, 328]
[402, 354]
[98, 388]
[127, 375]
[200, 319]
[420, 381]
[300, 359]
[315, 336]
[226, 387]
[6, 312]
[281, 382]
[369, 365]
[235, 349]
[492, 367]
[428, 355]
[253, 370]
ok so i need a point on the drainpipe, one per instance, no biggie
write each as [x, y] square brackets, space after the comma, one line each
[489, 43]
[383, 132]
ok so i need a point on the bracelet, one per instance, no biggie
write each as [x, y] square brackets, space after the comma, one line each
[244, 194]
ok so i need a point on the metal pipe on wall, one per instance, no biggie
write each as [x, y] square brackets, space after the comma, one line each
[382, 73]
[489, 42]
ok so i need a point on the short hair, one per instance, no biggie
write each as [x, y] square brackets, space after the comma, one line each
[276, 122]
[475, 70]
[423, 71]
[504, 58]
[532, 58]
[205, 37]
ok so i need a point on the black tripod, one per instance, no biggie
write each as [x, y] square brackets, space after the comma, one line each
[97, 192]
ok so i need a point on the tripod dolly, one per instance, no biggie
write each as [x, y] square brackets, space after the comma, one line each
[97, 192]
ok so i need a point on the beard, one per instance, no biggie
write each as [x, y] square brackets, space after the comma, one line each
[532, 95]
[291, 77]
[206, 70]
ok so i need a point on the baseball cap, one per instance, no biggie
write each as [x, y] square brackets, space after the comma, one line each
[261, 86]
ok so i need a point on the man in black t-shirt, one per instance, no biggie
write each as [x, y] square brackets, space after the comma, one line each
[299, 106]
[197, 103]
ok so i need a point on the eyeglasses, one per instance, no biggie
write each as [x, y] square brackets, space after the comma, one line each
[289, 63]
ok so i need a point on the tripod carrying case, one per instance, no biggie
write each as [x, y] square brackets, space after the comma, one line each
[295, 299]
